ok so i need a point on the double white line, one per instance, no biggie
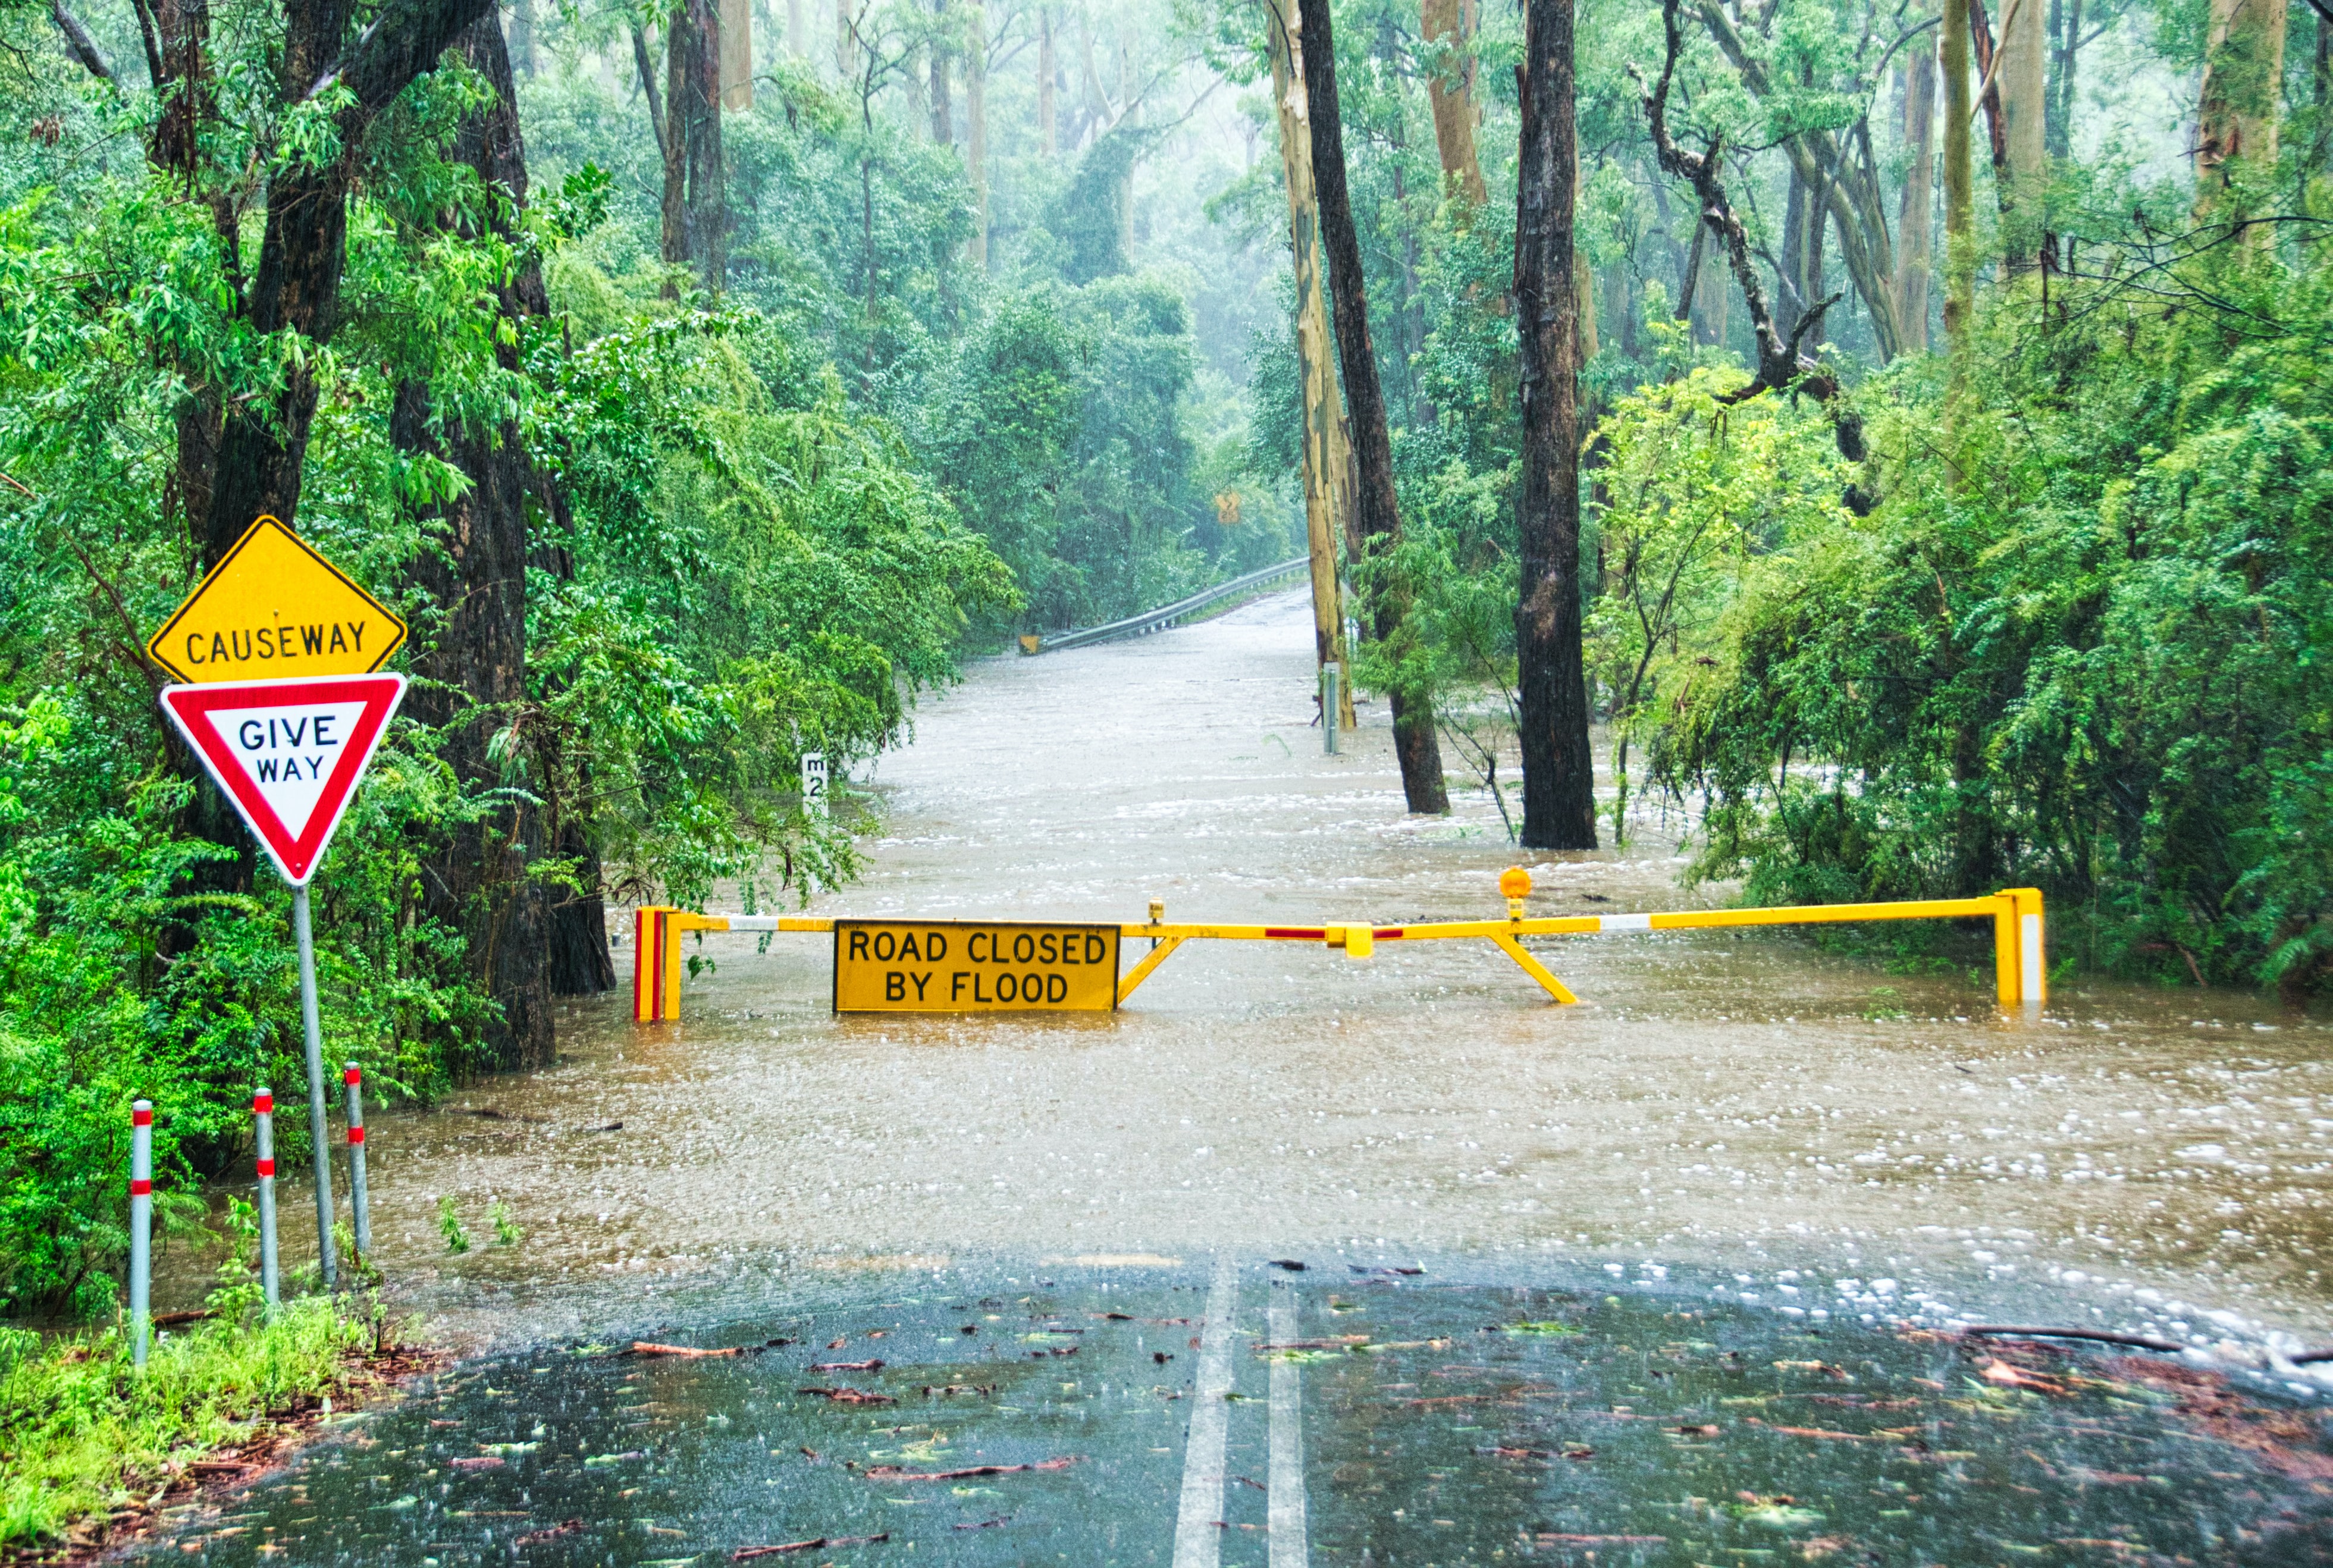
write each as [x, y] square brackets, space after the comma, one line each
[1198, 1523]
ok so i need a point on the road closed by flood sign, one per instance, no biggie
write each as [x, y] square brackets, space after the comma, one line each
[973, 966]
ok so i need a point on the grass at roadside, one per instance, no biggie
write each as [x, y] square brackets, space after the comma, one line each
[86, 1443]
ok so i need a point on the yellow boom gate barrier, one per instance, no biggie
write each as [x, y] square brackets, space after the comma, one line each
[2019, 969]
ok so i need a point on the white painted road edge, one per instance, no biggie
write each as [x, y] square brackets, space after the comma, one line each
[1290, 1544]
[1198, 1524]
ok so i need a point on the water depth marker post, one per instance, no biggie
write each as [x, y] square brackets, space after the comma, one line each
[360, 1213]
[279, 650]
[263, 1111]
[142, 1228]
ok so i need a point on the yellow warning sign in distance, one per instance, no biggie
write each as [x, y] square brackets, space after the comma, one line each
[275, 610]
[969, 967]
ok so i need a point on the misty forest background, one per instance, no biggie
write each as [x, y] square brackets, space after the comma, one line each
[1923, 480]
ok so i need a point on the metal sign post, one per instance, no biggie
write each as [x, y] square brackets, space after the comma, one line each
[312, 1029]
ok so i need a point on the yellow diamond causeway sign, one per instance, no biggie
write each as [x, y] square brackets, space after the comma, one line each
[275, 610]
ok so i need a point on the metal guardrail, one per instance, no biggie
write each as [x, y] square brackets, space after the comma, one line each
[1159, 620]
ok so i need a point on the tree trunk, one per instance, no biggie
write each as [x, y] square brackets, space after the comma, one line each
[943, 108]
[185, 85]
[1988, 75]
[846, 42]
[1375, 507]
[1326, 464]
[797, 30]
[1047, 114]
[1558, 771]
[736, 55]
[471, 675]
[2065, 55]
[1916, 215]
[1806, 218]
[2244, 79]
[975, 125]
[1960, 192]
[2321, 94]
[1450, 88]
[694, 219]
[2024, 112]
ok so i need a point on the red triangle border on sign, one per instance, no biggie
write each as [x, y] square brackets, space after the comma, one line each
[295, 857]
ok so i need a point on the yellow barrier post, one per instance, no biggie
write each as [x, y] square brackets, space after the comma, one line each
[2032, 955]
[1515, 885]
[648, 962]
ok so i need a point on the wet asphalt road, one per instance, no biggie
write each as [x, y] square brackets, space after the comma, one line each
[1246, 1414]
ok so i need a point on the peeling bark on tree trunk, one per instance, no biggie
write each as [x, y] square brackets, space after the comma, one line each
[2024, 113]
[1327, 468]
[1980, 44]
[2244, 82]
[1559, 768]
[1375, 507]
[1450, 89]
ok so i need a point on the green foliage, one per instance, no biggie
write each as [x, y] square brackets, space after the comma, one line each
[2093, 665]
[449, 1225]
[86, 1433]
[1698, 495]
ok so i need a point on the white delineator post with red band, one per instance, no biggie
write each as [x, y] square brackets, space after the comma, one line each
[263, 1109]
[141, 1227]
[353, 1080]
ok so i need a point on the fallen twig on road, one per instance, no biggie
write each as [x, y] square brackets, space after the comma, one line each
[746, 1553]
[2103, 1336]
[894, 1473]
[564, 1527]
[849, 1396]
[650, 1348]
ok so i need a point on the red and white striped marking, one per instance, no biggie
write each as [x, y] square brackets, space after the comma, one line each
[263, 1111]
[360, 1213]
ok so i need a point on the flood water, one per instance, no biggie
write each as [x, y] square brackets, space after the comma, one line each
[1777, 1153]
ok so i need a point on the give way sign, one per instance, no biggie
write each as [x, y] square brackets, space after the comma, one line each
[288, 753]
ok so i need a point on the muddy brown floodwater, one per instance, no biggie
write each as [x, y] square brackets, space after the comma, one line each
[1814, 1131]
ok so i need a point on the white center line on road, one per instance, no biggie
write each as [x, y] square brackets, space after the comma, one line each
[1291, 1547]
[1198, 1524]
